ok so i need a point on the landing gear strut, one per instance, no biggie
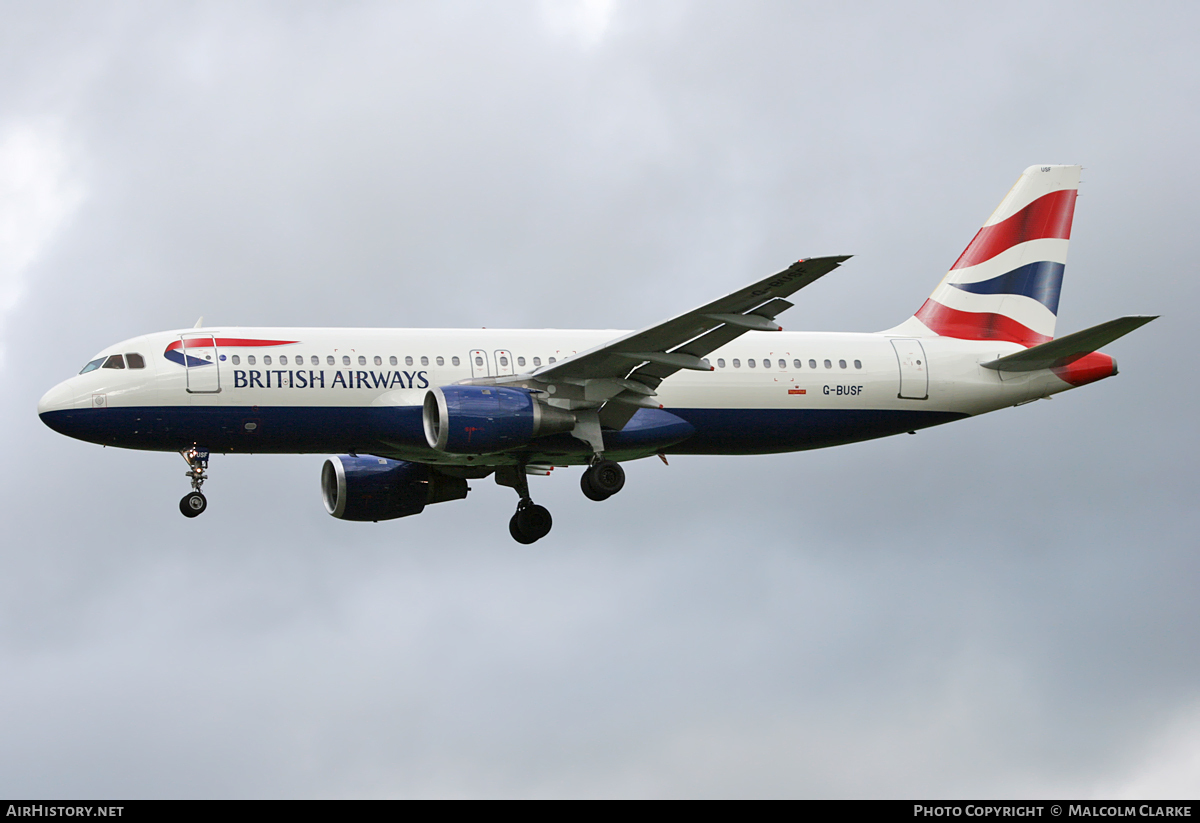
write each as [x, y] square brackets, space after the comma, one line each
[602, 480]
[194, 503]
[531, 522]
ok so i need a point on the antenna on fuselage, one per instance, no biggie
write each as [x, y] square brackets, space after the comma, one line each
[199, 322]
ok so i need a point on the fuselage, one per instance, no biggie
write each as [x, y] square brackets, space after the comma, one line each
[328, 390]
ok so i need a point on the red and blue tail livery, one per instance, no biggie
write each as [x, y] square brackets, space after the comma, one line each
[409, 416]
[1006, 284]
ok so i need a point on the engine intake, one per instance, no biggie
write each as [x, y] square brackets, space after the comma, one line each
[487, 419]
[374, 488]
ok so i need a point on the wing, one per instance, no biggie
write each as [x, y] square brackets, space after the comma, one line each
[622, 374]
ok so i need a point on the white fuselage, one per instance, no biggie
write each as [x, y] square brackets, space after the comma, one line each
[308, 389]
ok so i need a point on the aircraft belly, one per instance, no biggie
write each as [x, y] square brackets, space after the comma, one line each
[766, 431]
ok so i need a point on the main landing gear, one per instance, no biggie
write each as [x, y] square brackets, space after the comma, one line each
[532, 522]
[194, 503]
[602, 479]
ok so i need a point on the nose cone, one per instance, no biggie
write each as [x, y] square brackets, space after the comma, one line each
[58, 398]
[55, 407]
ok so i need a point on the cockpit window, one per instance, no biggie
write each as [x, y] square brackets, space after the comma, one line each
[135, 361]
[95, 364]
[114, 362]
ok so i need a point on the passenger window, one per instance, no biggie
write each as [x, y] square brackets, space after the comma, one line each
[91, 366]
[378, 360]
[393, 361]
[478, 361]
[537, 361]
[266, 359]
[720, 362]
[704, 360]
[796, 364]
[328, 360]
[828, 365]
[783, 364]
[812, 364]
[520, 361]
[362, 361]
[503, 360]
[841, 364]
[552, 360]
[283, 359]
[345, 360]
[408, 360]
[441, 361]
[737, 364]
[114, 362]
[316, 361]
[858, 364]
[135, 361]
[424, 360]
[750, 364]
[236, 360]
[250, 359]
[455, 361]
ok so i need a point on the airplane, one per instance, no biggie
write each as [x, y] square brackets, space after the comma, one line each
[412, 415]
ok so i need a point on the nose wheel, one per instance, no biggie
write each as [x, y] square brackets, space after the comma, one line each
[194, 502]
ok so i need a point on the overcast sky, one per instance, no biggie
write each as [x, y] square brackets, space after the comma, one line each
[1003, 607]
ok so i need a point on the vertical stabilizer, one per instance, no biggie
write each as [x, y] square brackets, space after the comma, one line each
[1006, 284]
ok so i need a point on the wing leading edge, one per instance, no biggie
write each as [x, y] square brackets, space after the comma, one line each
[618, 377]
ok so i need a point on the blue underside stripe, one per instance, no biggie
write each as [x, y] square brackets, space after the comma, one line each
[398, 430]
[1041, 281]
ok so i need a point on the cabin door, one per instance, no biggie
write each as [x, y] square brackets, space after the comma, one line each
[201, 362]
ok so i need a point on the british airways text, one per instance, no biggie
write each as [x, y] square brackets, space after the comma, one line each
[286, 379]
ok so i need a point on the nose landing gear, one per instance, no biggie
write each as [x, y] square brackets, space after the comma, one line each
[194, 503]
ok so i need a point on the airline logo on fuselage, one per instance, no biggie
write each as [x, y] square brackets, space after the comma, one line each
[174, 350]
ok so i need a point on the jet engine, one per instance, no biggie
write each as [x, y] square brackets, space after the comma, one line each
[487, 419]
[373, 488]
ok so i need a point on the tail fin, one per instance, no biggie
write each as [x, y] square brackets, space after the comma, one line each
[1005, 285]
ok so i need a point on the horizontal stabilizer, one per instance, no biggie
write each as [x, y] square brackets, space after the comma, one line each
[1068, 349]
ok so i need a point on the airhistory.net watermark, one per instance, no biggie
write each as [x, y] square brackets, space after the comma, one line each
[43, 810]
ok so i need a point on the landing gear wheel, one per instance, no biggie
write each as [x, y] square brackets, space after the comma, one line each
[603, 480]
[530, 524]
[193, 504]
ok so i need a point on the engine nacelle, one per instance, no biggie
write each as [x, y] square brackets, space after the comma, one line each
[487, 419]
[373, 488]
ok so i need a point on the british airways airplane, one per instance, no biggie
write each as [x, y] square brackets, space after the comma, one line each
[416, 414]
